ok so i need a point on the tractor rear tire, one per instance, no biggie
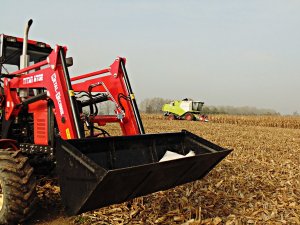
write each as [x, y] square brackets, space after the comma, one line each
[18, 197]
[189, 117]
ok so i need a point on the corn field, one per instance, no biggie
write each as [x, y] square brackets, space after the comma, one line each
[248, 120]
[258, 183]
[264, 121]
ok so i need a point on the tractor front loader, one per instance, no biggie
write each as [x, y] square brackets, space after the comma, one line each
[51, 120]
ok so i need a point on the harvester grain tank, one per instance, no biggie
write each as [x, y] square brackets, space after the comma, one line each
[48, 126]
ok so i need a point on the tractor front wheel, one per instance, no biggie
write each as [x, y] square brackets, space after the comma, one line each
[189, 116]
[17, 187]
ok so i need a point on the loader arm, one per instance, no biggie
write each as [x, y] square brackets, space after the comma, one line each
[51, 75]
[113, 81]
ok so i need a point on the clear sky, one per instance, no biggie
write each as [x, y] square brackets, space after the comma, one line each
[238, 53]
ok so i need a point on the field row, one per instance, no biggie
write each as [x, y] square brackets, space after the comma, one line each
[263, 121]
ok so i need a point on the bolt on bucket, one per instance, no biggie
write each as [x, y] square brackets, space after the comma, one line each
[97, 172]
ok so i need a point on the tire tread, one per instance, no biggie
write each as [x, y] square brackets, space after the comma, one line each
[18, 185]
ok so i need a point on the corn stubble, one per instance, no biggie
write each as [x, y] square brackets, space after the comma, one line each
[258, 183]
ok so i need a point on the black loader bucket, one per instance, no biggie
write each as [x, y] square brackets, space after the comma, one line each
[97, 172]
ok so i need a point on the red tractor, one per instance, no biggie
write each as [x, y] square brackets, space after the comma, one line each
[45, 124]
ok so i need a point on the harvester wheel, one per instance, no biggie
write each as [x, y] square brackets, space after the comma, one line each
[171, 117]
[189, 116]
[17, 187]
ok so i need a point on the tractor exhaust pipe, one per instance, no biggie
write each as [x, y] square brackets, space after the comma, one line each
[24, 58]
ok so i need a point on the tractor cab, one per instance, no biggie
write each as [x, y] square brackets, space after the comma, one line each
[11, 51]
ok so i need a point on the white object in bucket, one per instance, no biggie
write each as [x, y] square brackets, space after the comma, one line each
[173, 155]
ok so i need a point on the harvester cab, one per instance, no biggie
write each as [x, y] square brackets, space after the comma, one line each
[48, 125]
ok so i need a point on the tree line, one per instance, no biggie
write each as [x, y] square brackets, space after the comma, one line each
[154, 105]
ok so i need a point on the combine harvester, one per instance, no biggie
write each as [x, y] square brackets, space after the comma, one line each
[186, 109]
[42, 126]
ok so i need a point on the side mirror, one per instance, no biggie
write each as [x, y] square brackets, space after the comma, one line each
[69, 61]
